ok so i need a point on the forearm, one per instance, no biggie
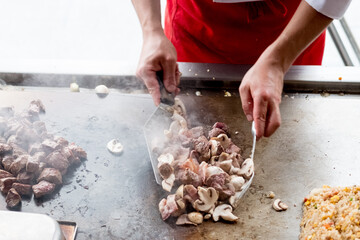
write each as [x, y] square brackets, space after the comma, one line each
[304, 27]
[149, 14]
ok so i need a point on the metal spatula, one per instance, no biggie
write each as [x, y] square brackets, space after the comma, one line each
[157, 123]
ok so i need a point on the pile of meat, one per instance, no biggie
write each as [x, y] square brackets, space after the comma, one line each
[31, 159]
[210, 171]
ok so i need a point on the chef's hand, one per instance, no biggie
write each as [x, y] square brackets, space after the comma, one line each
[260, 93]
[157, 54]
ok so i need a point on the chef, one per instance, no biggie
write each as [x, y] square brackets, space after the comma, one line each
[271, 35]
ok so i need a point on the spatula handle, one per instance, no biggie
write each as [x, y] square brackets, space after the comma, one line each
[165, 96]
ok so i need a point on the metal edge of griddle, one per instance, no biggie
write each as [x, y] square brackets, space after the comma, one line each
[204, 76]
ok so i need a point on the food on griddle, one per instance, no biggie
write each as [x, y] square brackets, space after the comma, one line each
[331, 213]
[210, 171]
[30, 155]
[102, 91]
[115, 147]
[74, 87]
[279, 205]
[22, 189]
[43, 188]
[13, 198]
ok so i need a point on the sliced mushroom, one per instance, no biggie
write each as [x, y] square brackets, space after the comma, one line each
[207, 199]
[235, 171]
[224, 156]
[183, 220]
[115, 147]
[179, 107]
[247, 168]
[237, 182]
[225, 212]
[180, 119]
[215, 148]
[270, 194]
[207, 216]
[212, 170]
[224, 140]
[278, 205]
[226, 165]
[168, 183]
[195, 217]
[181, 208]
[180, 191]
[165, 162]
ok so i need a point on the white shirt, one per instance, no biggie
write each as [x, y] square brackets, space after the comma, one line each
[331, 8]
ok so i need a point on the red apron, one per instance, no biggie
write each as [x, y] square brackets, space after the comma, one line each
[236, 33]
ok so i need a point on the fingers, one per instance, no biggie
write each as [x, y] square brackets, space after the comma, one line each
[273, 120]
[246, 101]
[260, 115]
[153, 86]
[169, 68]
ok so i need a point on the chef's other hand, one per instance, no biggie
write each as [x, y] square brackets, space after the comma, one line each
[157, 54]
[260, 93]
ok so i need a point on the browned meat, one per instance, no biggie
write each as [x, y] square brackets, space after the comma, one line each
[58, 161]
[5, 174]
[50, 145]
[7, 161]
[34, 148]
[51, 175]
[168, 206]
[43, 188]
[222, 126]
[227, 191]
[26, 136]
[233, 149]
[25, 177]
[39, 127]
[70, 156]
[217, 181]
[32, 165]
[39, 156]
[17, 150]
[62, 141]
[13, 198]
[22, 189]
[5, 149]
[216, 132]
[202, 146]
[190, 193]
[6, 183]
[18, 164]
[36, 106]
[78, 151]
[188, 177]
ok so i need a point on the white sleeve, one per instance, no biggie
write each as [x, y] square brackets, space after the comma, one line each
[331, 8]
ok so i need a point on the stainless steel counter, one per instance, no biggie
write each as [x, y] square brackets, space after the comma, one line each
[116, 197]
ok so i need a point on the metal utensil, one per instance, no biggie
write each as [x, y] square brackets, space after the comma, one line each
[158, 121]
[253, 132]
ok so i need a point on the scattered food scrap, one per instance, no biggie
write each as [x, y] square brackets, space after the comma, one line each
[102, 91]
[227, 94]
[279, 206]
[198, 93]
[74, 87]
[114, 146]
[270, 194]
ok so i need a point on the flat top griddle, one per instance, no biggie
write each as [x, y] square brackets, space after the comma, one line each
[116, 197]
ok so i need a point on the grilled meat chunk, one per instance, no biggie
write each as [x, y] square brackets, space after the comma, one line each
[43, 188]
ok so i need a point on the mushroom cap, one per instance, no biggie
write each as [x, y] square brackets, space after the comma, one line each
[212, 170]
[226, 165]
[114, 146]
[278, 205]
[247, 168]
[180, 191]
[207, 199]
[225, 212]
[183, 220]
[224, 140]
[195, 217]
[237, 182]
